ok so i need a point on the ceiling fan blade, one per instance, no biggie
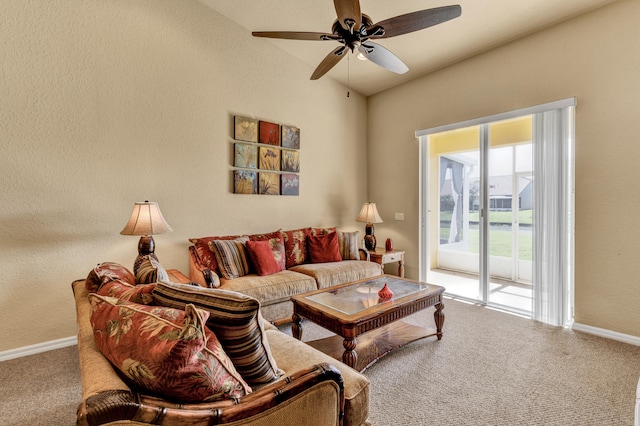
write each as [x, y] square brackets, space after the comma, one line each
[328, 62]
[295, 35]
[349, 14]
[415, 21]
[382, 56]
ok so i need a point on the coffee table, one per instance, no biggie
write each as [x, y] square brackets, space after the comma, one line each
[366, 326]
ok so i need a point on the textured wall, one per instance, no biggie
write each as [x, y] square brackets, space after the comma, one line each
[105, 103]
[595, 58]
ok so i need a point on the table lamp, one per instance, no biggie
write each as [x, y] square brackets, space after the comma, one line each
[369, 215]
[146, 220]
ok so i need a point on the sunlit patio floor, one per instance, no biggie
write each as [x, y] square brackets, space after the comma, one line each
[504, 294]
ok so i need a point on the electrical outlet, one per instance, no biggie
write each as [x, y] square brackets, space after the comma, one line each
[399, 216]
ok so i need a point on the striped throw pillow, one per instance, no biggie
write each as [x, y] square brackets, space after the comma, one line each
[348, 244]
[236, 321]
[148, 270]
[231, 257]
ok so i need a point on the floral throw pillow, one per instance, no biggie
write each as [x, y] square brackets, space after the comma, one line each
[105, 272]
[205, 253]
[323, 231]
[295, 246]
[165, 351]
[133, 293]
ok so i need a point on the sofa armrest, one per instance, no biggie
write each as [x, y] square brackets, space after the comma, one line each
[364, 254]
[317, 391]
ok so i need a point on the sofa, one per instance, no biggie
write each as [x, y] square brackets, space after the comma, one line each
[308, 259]
[296, 385]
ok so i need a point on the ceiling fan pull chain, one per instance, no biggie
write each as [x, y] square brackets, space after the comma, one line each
[348, 74]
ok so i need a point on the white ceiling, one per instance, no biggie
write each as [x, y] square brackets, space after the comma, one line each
[483, 25]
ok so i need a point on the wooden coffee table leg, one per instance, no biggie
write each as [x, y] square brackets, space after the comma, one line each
[438, 315]
[350, 357]
[296, 326]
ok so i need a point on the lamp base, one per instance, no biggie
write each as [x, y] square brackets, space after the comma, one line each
[369, 237]
[146, 245]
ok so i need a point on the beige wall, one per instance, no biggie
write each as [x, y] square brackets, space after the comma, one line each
[104, 103]
[594, 58]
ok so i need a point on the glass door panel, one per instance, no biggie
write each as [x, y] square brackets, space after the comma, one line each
[510, 200]
[455, 190]
[470, 198]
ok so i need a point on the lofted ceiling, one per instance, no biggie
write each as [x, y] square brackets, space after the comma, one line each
[483, 25]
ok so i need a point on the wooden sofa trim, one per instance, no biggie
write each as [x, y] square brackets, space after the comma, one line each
[120, 405]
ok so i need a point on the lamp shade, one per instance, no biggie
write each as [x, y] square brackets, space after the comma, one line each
[369, 214]
[146, 219]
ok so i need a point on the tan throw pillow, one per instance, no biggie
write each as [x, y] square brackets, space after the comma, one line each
[231, 256]
[166, 351]
[235, 319]
[149, 270]
[348, 244]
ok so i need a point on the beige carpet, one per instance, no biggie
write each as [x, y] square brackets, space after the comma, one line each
[491, 368]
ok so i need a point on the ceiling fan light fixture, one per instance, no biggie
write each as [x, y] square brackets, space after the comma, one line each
[352, 29]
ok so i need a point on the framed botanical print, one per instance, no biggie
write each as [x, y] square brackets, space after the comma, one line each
[290, 161]
[245, 182]
[290, 137]
[245, 129]
[245, 155]
[269, 158]
[269, 133]
[269, 183]
[289, 184]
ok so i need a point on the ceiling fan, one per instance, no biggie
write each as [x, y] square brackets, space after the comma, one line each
[355, 30]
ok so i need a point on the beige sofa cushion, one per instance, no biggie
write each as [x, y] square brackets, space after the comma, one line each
[334, 273]
[270, 289]
[293, 355]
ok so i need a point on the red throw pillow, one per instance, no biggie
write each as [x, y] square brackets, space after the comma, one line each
[324, 248]
[262, 257]
[276, 242]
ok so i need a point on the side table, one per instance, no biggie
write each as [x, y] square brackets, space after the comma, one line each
[381, 256]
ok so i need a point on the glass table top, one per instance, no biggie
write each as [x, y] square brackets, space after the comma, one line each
[364, 295]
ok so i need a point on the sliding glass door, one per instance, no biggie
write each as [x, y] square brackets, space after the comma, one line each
[484, 217]
[484, 184]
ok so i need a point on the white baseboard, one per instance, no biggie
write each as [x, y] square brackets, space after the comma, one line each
[613, 335]
[70, 341]
[38, 348]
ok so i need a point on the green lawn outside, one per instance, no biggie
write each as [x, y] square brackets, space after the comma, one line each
[500, 241]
